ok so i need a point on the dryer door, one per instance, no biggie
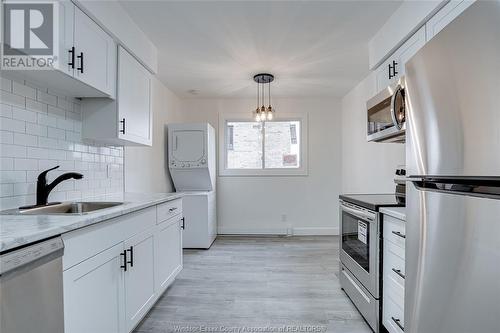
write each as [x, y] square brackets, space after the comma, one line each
[188, 145]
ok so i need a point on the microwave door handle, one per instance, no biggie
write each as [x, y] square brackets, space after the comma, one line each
[393, 108]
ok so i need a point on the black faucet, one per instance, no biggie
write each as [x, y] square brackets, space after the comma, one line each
[43, 189]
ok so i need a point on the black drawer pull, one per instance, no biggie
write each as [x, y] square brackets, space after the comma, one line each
[124, 254]
[131, 261]
[81, 62]
[183, 226]
[397, 233]
[398, 322]
[398, 272]
[122, 130]
[172, 209]
[72, 62]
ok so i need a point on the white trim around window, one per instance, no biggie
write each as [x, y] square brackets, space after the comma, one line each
[302, 170]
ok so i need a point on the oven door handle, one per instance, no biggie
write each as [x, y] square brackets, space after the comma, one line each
[359, 213]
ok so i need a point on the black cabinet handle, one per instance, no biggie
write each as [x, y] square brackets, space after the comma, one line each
[122, 130]
[183, 226]
[398, 322]
[397, 233]
[392, 69]
[81, 62]
[398, 272]
[172, 209]
[72, 53]
[124, 266]
[131, 261]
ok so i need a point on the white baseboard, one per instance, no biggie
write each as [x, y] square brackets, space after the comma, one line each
[252, 231]
[306, 231]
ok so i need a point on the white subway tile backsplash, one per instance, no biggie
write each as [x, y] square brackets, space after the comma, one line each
[56, 133]
[25, 115]
[14, 125]
[40, 129]
[5, 84]
[38, 153]
[5, 110]
[7, 150]
[23, 90]
[11, 99]
[25, 139]
[6, 137]
[35, 106]
[36, 129]
[25, 164]
[45, 98]
[10, 176]
[6, 190]
[6, 163]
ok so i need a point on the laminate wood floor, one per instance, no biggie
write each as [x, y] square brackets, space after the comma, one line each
[258, 284]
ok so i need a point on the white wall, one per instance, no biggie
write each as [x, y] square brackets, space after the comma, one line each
[39, 129]
[145, 167]
[257, 204]
[367, 167]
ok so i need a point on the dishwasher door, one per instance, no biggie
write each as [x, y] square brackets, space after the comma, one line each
[31, 289]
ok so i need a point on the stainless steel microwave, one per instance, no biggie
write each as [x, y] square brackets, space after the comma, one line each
[386, 114]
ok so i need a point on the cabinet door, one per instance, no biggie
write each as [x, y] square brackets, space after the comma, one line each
[139, 277]
[66, 12]
[447, 14]
[95, 59]
[168, 253]
[134, 99]
[93, 294]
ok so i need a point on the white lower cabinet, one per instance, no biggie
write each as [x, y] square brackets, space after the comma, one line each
[393, 276]
[139, 277]
[111, 289]
[93, 294]
[168, 249]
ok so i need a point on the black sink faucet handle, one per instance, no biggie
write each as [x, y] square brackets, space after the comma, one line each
[43, 175]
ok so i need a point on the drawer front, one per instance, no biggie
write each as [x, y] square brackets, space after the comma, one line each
[89, 241]
[393, 273]
[392, 316]
[394, 230]
[168, 210]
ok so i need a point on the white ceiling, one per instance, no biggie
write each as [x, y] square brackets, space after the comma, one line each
[215, 47]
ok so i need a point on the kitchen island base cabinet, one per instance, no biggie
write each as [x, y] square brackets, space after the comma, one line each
[93, 294]
[112, 288]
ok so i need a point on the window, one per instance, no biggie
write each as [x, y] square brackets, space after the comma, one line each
[269, 148]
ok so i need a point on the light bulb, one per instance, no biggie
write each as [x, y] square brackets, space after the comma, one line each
[257, 117]
[269, 116]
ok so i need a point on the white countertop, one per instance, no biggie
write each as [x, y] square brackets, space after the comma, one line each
[396, 212]
[19, 230]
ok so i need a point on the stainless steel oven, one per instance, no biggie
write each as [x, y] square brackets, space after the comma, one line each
[386, 114]
[360, 262]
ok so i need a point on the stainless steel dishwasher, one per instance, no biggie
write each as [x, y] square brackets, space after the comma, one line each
[31, 288]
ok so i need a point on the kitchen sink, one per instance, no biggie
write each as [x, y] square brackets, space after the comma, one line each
[75, 208]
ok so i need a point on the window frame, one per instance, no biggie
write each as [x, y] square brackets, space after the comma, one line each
[224, 118]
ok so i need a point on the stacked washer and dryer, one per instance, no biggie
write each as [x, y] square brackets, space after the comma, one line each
[192, 165]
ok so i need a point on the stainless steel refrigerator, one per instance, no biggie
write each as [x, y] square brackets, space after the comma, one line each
[453, 159]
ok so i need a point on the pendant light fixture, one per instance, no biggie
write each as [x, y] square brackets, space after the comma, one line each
[262, 113]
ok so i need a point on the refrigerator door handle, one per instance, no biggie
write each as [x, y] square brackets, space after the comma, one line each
[487, 187]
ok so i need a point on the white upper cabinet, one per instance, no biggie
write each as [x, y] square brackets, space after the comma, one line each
[447, 14]
[134, 105]
[394, 67]
[85, 63]
[128, 119]
[95, 57]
